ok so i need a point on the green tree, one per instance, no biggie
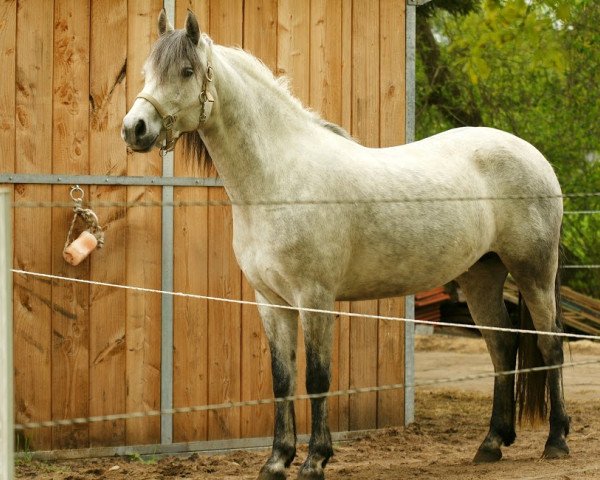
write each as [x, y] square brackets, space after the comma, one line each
[529, 67]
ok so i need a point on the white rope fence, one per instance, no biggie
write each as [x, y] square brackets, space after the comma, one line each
[337, 393]
[267, 401]
[302, 309]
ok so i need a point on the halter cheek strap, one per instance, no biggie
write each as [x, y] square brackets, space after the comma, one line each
[169, 119]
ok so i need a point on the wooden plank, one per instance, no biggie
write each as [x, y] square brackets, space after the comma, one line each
[293, 60]
[365, 126]
[32, 297]
[107, 305]
[190, 322]
[8, 23]
[346, 122]
[201, 9]
[326, 99]
[224, 276]
[70, 301]
[346, 80]
[326, 59]
[390, 363]
[363, 365]
[143, 321]
[293, 46]
[226, 22]
[392, 111]
[260, 38]
[224, 280]
[8, 39]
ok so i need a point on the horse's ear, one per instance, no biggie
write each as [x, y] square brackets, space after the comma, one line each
[192, 28]
[164, 25]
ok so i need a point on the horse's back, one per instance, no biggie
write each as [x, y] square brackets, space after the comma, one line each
[493, 154]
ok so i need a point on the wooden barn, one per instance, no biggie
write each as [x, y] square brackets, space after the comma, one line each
[70, 70]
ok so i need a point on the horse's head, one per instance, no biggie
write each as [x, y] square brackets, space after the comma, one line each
[177, 96]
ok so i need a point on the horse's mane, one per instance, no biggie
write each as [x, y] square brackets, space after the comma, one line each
[176, 49]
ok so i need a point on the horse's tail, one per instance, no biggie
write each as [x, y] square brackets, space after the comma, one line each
[531, 387]
[532, 392]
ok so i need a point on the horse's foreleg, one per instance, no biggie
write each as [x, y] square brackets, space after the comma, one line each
[281, 327]
[318, 332]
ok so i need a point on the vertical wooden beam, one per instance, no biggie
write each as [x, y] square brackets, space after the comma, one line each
[346, 122]
[32, 250]
[260, 39]
[143, 320]
[8, 44]
[108, 67]
[390, 362]
[224, 276]
[8, 39]
[70, 301]
[365, 126]
[293, 61]
[326, 99]
[224, 328]
[190, 319]
[190, 322]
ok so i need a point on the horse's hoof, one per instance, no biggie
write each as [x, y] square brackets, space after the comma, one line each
[311, 473]
[487, 456]
[552, 452]
[270, 472]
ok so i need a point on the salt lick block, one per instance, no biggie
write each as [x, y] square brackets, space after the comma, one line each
[80, 248]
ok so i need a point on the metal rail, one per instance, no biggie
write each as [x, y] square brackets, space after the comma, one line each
[126, 181]
[409, 301]
[6, 340]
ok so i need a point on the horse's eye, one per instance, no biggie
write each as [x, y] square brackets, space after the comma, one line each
[187, 72]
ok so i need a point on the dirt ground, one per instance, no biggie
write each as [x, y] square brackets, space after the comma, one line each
[451, 420]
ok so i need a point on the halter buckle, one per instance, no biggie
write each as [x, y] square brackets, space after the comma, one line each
[209, 74]
[169, 121]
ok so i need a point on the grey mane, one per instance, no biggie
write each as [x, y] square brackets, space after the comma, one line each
[335, 128]
[174, 50]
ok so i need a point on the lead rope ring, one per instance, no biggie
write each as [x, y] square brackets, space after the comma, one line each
[90, 238]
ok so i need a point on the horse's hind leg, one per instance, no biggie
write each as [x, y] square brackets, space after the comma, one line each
[482, 285]
[318, 333]
[537, 279]
[281, 327]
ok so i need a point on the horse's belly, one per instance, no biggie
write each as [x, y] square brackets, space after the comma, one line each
[412, 264]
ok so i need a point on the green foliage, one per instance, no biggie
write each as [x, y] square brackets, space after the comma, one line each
[529, 67]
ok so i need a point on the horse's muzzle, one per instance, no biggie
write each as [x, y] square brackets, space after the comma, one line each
[135, 134]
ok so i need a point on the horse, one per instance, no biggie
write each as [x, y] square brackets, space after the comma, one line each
[317, 217]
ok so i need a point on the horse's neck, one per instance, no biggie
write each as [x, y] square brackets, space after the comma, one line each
[254, 121]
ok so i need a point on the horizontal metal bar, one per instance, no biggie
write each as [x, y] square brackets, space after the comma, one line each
[209, 447]
[417, 3]
[57, 179]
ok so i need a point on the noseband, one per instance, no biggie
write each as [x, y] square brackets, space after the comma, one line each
[169, 119]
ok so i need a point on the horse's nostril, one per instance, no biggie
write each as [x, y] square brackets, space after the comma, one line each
[140, 128]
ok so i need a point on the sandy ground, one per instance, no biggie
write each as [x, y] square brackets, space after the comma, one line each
[451, 420]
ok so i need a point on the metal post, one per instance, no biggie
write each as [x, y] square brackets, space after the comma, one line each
[166, 363]
[6, 340]
[409, 310]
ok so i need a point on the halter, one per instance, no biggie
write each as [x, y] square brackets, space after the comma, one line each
[169, 119]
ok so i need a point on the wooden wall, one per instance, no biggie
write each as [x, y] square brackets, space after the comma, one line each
[70, 70]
